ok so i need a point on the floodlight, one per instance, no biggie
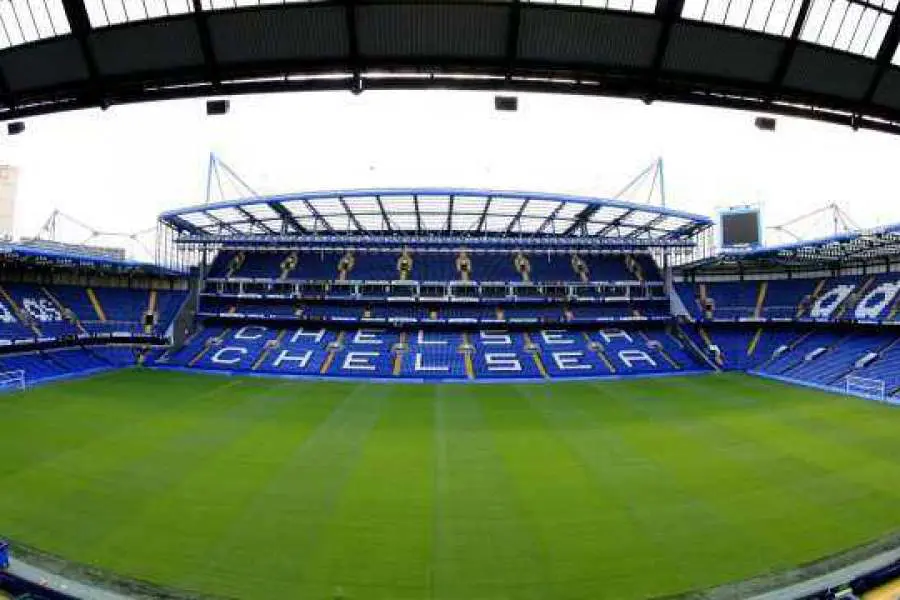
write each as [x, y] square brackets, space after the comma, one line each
[217, 107]
[506, 103]
[765, 123]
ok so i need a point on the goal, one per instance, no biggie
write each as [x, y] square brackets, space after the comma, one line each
[14, 380]
[863, 386]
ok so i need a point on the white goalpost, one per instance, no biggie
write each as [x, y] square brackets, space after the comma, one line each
[12, 380]
[863, 386]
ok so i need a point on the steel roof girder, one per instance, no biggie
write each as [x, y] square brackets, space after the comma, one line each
[350, 215]
[286, 216]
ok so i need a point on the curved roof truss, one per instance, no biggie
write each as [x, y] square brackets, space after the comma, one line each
[834, 60]
[435, 213]
[864, 245]
[852, 248]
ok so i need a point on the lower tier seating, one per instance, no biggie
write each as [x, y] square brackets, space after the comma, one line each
[820, 357]
[420, 354]
[60, 363]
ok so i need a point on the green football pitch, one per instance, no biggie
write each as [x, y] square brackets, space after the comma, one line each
[255, 488]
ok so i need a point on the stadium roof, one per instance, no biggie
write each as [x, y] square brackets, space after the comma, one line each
[834, 60]
[434, 213]
[851, 247]
[31, 254]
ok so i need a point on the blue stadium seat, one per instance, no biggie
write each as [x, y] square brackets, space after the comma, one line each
[59, 363]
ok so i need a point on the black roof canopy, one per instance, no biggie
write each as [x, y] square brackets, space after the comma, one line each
[825, 59]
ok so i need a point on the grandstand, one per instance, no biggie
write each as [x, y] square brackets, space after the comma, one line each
[66, 312]
[478, 285]
[435, 284]
[424, 284]
[814, 312]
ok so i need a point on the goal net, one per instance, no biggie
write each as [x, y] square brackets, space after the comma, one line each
[14, 380]
[863, 386]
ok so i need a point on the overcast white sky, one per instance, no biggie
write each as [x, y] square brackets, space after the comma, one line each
[116, 170]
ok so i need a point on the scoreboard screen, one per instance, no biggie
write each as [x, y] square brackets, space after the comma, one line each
[740, 228]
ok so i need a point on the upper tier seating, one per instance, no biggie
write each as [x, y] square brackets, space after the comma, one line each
[689, 297]
[494, 267]
[39, 310]
[316, 265]
[784, 297]
[11, 326]
[649, 268]
[75, 298]
[380, 266]
[608, 268]
[120, 304]
[30, 311]
[839, 298]
[552, 267]
[376, 267]
[734, 300]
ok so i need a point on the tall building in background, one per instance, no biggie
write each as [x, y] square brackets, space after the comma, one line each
[9, 181]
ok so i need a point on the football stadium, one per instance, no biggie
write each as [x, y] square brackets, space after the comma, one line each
[432, 392]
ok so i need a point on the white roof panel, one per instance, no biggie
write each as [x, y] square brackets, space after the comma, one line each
[570, 210]
[465, 222]
[540, 208]
[469, 204]
[197, 218]
[328, 206]
[498, 222]
[340, 222]
[776, 17]
[506, 206]
[363, 204]
[310, 223]
[227, 214]
[434, 204]
[641, 6]
[398, 204]
[297, 207]
[529, 224]
[490, 213]
[607, 214]
[261, 211]
[434, 221]
[639, 218]
[245, 227]
[371, 222]
[404, 221]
